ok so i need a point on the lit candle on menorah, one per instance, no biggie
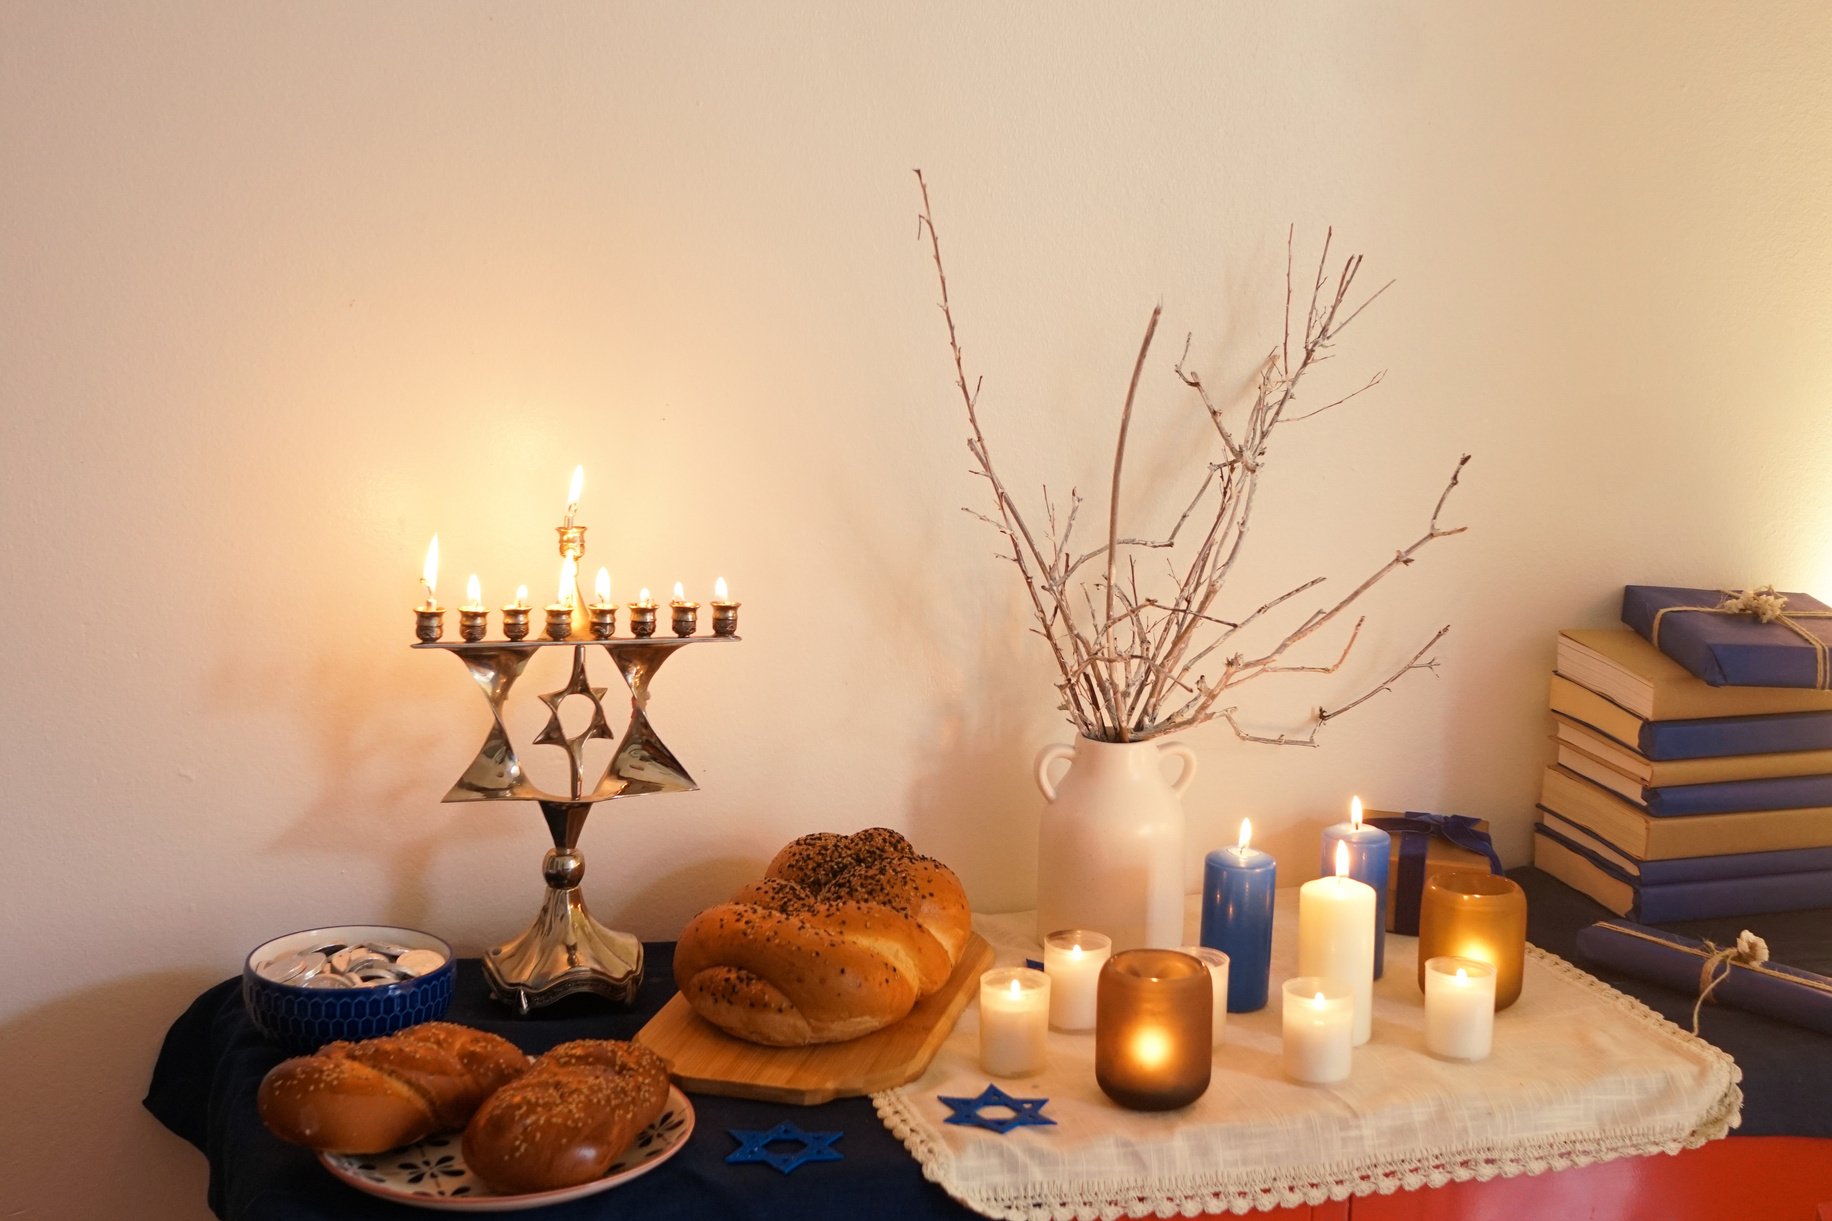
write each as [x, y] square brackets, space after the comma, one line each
[564, 950]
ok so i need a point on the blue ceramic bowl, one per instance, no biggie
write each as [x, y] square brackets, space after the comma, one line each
[304, 1019]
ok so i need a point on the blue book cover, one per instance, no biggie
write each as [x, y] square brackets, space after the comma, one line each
[1734, 796]
[1735, 735]
[1708, 899]
[1730, 649]
[1620, 864]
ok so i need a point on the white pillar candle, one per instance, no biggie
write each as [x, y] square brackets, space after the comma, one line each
[1459, 1008]
[1336, 937]
[1319, 1021]
[1073, 959]
[1014, 1021]
[1217, 963]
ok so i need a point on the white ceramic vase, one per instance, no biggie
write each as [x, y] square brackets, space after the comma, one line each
[1110, 848]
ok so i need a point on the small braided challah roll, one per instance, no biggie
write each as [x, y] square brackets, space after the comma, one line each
[841, 937]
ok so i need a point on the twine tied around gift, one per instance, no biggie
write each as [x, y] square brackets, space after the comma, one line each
[1750, 950]
[1766, 606]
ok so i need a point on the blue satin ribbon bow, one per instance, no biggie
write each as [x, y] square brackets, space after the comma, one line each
[1414, 832]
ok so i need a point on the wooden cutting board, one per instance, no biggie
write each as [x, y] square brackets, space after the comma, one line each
[706, 1060]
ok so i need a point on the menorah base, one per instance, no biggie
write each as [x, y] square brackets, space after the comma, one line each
[564, 951]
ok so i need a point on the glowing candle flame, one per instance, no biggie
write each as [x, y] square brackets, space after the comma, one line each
[569, 581]
[1151, 1048]
[1342, 858]
[572, 496]
[1015, 989]
[429, 574]
[1317, 1000]
[719, 592]
[680, 594]
[643, 599]
[521, 596]
[1246, 834]
[473, 593]
[604, 587]
[1355, 812]
[1462, 976]
[1075, 953]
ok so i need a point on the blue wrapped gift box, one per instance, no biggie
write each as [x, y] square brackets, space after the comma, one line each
[1731, 650]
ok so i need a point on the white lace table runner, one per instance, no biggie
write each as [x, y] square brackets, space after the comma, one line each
[1580, 1073]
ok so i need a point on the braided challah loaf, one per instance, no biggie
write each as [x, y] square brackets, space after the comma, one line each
[841, 937]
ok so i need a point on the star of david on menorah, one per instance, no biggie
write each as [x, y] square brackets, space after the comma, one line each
[565, 950]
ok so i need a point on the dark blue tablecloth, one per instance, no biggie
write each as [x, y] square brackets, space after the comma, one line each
[204, 1084]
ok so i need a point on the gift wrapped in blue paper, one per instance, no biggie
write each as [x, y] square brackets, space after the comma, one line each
[1784, 993]
[1427, 844]
[1748, 638]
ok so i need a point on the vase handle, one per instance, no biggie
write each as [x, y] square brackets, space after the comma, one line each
[1180, 751]
[1045, 757]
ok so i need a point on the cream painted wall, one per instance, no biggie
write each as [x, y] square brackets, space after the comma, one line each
[288, 287]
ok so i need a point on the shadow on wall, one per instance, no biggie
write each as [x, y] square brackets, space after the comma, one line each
[75, 1069]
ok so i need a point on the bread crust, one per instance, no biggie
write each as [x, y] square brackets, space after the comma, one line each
[841, 937]
[564, 1121]
[380, 1094]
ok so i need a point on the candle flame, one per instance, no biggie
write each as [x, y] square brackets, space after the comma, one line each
[429, 572]
[1462, 975]
[572, 494]
[569, 581]
[1355, 812]
[680, 594]
[1317, 1000]
[1151, 1048]
[1342, 858]
[473, 592]
[521, 595]
[1246, 833]
[1015, 988]
[1075, 952]
[720, 592]
[604, 585]
[643, 599]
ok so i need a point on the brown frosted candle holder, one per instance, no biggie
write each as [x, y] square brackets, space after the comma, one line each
[1152, 1029]
[473, 624]
[559, 621]
[515, 622]
[604, 621]
[1475, 915]
[724, 618]
[686, 617]
[429, 624]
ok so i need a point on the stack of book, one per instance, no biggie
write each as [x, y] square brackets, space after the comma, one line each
[1675, 800]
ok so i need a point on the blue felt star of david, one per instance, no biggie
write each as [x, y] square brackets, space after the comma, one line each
[1024, 1111]
[754, 1147]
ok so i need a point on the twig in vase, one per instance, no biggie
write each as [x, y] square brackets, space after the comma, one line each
[1129, 662]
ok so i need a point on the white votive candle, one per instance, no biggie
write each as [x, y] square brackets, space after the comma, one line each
[1014, 1021]
[1319, 1025]
[1217, 963]
[1459, 1008]
[1336, 937]
[1073, 959]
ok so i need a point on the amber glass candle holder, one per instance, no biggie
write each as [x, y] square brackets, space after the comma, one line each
[1152, 1029]
[1476, 915]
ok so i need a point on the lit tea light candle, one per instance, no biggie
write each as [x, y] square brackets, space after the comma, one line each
[573, 492]
[1014, 1021]
[1153, 1029]
[515, 615]
[1369, 849]
[560, 611]
[686, 613]
[473, 618]
[1072, 959]
[429, 617]
[1217, 963]
[1319, 1027]
[642, 615]
[724, 610]
[1237, 894]
[1459, 1008]
[1336, 937]
[1476, 915]
[604, 611]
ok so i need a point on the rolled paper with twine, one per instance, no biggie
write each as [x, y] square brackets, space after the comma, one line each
[1750, 950]
[1765, 606]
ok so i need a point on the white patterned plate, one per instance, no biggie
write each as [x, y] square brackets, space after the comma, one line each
[432, 1174]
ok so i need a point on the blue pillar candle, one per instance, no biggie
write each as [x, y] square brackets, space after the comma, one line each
[1369, 851]
[1237, 886]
